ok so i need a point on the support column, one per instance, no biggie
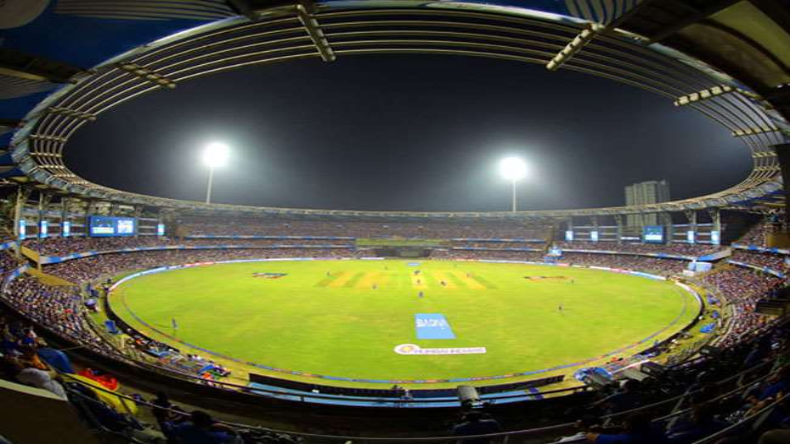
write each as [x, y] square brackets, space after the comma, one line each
[594, 222]
[569, 226]
[715, 216]
[618, 219]
[43, 203]
[22, 194]
[138, 211]
[667, 222]
[691, 215]
[64, 213]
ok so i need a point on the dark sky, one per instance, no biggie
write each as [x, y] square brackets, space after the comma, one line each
[405, 132]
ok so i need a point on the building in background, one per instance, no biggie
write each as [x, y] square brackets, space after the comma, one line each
[643, 193]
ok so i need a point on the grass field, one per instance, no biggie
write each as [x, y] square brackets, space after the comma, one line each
[344, 318]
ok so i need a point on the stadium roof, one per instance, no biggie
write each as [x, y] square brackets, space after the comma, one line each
[65, 62]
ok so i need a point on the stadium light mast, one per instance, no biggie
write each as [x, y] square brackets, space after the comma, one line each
[513, 169]
[215, 155]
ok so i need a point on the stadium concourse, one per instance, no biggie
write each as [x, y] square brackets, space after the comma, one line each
[694, 395]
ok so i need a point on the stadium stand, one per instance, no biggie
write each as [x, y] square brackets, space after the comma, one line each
[724, 58]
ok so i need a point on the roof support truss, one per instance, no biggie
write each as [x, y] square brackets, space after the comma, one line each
[25, 66]
[575, 45]
[305, 10]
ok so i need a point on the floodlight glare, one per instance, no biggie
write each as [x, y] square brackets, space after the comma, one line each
[215, 155]
[513, 168]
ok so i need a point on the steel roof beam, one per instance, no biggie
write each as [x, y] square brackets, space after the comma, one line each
[690, 19]
[608, 56]
[243, 7]
[25, 66]
[575, 45]
[306, 10]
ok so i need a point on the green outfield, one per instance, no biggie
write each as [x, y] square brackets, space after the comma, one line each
[345, 318]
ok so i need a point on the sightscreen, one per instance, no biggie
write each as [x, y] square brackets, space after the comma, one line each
[106, 226]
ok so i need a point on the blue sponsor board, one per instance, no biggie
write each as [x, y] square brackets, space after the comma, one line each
[432, 326]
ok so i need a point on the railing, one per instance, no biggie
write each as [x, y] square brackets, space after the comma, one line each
[515, 436]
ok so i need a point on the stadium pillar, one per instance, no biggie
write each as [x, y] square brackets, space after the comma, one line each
[22, 194]
[783, 155]
[715, 217]
[618, 219]
[691, 215]
[64, 212]
[667, 221]
[568, 227]
[43, 202]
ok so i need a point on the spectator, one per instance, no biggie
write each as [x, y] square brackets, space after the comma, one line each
[201, 429]
[39, 378]
[476, 423]
[637, 429]
[583, 426]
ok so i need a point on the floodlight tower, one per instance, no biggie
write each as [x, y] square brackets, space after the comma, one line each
[513, 169]
[215, 155]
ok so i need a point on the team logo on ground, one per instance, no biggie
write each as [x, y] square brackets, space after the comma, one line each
[411, 349]
[269, 275]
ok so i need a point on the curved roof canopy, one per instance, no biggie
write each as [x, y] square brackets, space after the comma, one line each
[65, 62]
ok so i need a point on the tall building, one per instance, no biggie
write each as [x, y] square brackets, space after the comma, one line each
[650, 192]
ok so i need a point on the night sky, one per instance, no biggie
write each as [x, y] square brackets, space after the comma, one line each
[406, 132]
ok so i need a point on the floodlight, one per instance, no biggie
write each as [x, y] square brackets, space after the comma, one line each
[513, 168]
[215, 155]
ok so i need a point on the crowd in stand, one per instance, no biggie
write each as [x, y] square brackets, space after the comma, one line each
[496, 245]
[62, 246]
[712, 400]
[424, 230]
[742, 288]
[93, 267]
[694, 250]
[266, 243]
[447, 254]
[27, 359]
[58, 308]
[755, 236]
[663, 267]
[20, 360]
[773, 261]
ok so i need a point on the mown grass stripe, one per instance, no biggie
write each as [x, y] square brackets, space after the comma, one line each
[482, 281]
[438, 277]
[466, 279]
[457, 281]
[341, 278]
[371, 277]
[326, 281]
[351, 283]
